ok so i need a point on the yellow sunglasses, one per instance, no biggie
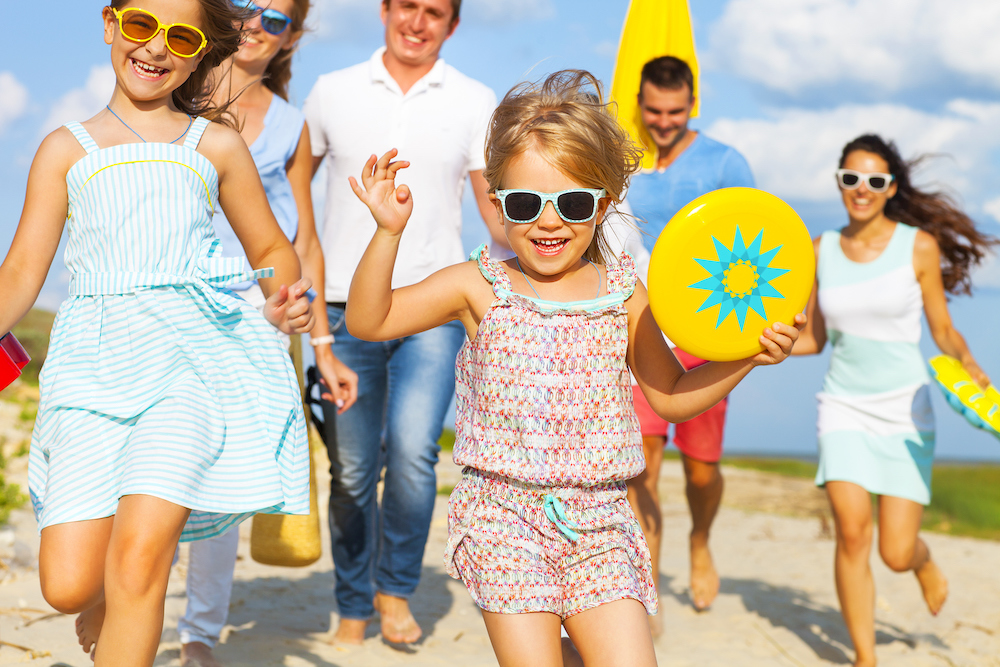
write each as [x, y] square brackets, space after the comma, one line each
[138, 25]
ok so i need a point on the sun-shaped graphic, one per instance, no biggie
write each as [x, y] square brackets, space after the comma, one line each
[739, 279]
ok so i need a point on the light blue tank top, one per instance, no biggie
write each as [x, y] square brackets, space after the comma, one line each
[872, 312]
[271, 151]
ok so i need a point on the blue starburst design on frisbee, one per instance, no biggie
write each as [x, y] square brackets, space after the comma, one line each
[739, 279]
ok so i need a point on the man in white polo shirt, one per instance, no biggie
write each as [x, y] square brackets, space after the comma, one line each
[404, 97]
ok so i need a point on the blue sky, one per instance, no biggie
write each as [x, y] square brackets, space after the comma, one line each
[787, 82]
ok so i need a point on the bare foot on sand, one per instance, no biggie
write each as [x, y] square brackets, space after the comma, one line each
[704, 578]
[933, 584]
[350, 631]
[196, 654]
[398, 624]
[88, 626]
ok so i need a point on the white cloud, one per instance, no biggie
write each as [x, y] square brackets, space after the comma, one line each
[345, 19]
[794, 152]
[993, 208]
[82, 103]
[887, 45]
[13, 99]
[987, 274]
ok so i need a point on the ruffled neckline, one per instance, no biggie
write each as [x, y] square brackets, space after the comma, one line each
[621, 283]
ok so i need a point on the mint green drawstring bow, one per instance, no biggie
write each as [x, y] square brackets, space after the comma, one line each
[556, 512]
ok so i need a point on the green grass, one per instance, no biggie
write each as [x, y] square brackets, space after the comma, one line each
[965, 498]
[447, 440]
[33, 333]
[786, 467]
[11, 497]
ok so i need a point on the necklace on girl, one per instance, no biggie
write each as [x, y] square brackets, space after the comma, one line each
[190, 120]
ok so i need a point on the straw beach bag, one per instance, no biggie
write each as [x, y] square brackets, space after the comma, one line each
[287, 539]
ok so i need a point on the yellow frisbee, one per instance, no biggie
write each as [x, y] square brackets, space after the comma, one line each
[980, 407]
[729, 264]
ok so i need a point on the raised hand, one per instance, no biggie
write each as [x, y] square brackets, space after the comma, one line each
[778, 341]
[288, 308]
[390, 206]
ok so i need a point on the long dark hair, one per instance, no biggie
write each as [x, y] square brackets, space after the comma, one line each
[962, 245]
[223, 23]
[279, 70]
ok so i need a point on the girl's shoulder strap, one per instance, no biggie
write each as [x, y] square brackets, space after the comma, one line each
[491, 269]
[197, 129]
[622, 276]
[83, 137]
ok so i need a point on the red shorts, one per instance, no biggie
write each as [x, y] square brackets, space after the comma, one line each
[699, 438]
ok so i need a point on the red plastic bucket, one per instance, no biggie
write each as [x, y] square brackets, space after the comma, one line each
[13, 359]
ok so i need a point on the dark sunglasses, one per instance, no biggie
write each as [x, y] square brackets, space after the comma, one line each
[524, 206]
[271, 20]
[849, 179]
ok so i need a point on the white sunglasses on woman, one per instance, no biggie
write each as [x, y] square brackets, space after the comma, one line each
[848, 179]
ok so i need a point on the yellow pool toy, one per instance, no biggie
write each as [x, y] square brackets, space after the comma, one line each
[652, 28]
[727, 265]
[980, 407]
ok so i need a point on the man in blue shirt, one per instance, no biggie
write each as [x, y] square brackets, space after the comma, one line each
[688, 165]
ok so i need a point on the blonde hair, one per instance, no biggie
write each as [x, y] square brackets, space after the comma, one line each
[566, 118]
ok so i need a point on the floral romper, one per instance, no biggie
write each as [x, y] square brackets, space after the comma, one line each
[547, 433]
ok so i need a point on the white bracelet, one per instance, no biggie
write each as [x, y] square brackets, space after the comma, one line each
[321, 340]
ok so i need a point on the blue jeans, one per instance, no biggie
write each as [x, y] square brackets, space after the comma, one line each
[404, 388]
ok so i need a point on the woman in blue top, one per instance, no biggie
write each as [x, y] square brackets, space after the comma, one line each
[276, 132]
[900, 252]
[256, 79]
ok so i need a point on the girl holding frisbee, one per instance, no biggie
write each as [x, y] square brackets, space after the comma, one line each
[169, 410]
[902, 250]
[540, 529]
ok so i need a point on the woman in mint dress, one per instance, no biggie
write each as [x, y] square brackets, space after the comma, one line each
[900, 252]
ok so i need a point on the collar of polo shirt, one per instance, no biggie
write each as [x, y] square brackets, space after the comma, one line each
[380, 74]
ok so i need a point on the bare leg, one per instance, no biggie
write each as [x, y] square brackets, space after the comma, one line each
[613, 635]
[704, 495]
[852, 515]
[143, 539]
[644, 497]
[71, 570]
[398, 624]
[570, 656]
[350, 631]
[902, 549]
[525, 640]
[198, 654]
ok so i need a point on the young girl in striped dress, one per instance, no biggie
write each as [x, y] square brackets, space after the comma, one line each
[540, 530]
[169, 409]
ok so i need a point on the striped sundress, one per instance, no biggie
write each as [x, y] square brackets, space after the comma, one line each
[876, 425]
[158, 380]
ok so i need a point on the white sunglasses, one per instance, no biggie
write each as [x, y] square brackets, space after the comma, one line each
[848, 179]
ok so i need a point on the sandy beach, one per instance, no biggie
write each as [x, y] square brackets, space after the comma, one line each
[777, 606]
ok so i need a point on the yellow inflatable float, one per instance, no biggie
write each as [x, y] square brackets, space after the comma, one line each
[729, 264]
[980, 407]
